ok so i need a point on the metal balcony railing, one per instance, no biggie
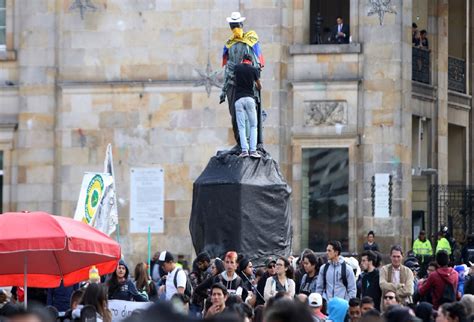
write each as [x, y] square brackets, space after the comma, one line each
[421, 67]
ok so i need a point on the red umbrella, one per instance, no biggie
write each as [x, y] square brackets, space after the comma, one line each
[39, 250]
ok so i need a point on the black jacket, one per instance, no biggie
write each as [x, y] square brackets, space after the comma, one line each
[338, 39]
[371, 287]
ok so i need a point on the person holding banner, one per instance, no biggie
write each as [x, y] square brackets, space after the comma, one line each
[121, 287]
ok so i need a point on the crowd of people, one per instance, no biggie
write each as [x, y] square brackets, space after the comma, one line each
[420, 286]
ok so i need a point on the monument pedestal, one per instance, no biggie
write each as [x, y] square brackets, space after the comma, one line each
[241, 204]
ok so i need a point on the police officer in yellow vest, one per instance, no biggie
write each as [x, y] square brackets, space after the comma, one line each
[423, 251]
[443, 244]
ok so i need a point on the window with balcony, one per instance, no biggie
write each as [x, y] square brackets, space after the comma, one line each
[458, 14]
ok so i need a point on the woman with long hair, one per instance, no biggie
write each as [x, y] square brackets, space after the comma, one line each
[311, 265]
[282, 281]
[143, 282]
[121, 287]
[96, 296]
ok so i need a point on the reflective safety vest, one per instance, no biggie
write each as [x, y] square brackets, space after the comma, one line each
[443, 244]
[422, 248]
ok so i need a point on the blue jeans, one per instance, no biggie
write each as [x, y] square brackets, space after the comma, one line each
[245, 107]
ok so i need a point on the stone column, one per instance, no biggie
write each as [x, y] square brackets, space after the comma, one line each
[34, 153]
[385, 104]
[441, 112]
[470, 91]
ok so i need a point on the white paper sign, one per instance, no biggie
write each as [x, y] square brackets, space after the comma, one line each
[382, 195]
[123, 309]
[146, 200]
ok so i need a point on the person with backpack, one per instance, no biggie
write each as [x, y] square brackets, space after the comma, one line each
[176, 280]
[442, 284]
[335, 279]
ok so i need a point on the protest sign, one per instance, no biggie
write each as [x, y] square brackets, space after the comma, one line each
[123, 309]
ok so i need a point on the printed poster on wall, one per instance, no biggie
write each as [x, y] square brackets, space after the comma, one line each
[147, 200]
[382, 195]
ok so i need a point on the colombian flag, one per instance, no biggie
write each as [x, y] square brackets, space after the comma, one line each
[251, 39]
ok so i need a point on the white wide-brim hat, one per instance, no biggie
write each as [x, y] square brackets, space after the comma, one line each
[235, 17]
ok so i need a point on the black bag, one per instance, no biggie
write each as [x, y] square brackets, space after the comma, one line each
[449, 293]
[188, 290]
[343, 275]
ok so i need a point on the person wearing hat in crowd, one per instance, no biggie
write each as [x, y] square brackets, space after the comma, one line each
[167, 261]
[245, 272]
[315, 302]
[236, 46]
[121, 287]
[423, 251]
[270, 264]
[443, 243]
[337, 309]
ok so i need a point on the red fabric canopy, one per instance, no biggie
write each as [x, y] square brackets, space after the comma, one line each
[53, 248]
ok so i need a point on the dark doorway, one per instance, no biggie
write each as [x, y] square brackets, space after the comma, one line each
[418, 222]
[327, 195]
[328, 12]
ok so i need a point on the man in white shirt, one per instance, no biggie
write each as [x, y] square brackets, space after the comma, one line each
[174, 283]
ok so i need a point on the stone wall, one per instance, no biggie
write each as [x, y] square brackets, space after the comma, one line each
[126, 75]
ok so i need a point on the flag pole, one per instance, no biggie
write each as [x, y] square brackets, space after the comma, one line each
[149, 250]
[118, 233]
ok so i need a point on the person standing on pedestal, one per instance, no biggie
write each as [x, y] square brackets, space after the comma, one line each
[237, 45]
[246, 77]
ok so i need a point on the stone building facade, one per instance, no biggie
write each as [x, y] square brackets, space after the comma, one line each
[125, 72]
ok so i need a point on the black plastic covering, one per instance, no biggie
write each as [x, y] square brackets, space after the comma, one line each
[241, 204]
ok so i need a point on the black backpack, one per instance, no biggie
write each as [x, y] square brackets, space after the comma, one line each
[449, 293]
[188, 290]
[343, 273]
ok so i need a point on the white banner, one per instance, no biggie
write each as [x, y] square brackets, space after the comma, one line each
[147, 194]
[123, 309]
[108, 213]
[91, 197]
